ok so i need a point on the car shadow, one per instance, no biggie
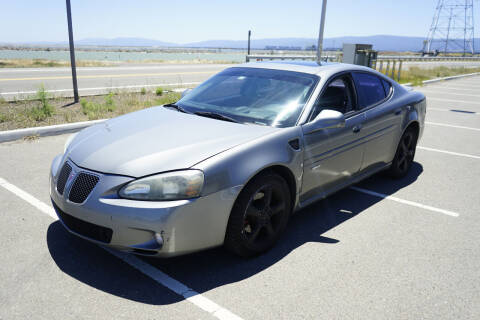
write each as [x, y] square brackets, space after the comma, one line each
[93, 266]
[206, 270]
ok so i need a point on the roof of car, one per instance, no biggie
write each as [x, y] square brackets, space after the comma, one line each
[311, 67]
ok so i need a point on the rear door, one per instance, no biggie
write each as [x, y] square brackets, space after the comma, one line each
[382, 119]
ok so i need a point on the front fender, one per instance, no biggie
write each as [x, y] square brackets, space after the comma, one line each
[237, 166]
[415, 113]
[412, 116]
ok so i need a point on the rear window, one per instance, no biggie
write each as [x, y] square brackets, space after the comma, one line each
[370, 89]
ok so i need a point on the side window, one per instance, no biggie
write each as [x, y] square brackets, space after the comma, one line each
[338, 95]
[369, 89]
[387, 86]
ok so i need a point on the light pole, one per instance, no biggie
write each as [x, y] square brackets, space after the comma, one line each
[72, 52]
[320, 33]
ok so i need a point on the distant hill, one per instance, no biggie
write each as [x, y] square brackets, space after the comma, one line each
[124, 42]
[380, 42]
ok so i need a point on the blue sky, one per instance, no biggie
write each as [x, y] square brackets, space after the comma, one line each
[185, 21]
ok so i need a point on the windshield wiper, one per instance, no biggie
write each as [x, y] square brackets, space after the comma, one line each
[207, 114]
[176, 107]
[215, 115]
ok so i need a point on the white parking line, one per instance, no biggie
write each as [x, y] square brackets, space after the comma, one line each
[174, 285]
[457, 111]
[107, 88]
[449, 152]
[410, 203]
[451, 100]
[158, 276]
[451, 126]
[28, 198]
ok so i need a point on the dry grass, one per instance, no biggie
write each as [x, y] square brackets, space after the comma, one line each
[31, 138]
[18, 114]
[42, 63]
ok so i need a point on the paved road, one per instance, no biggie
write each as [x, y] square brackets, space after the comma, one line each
[351, 256]
[18, 82]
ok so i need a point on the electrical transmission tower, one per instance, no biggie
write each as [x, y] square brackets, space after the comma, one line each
[452, 28]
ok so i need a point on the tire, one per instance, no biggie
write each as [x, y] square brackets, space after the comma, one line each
[259, 215]
[402, 162]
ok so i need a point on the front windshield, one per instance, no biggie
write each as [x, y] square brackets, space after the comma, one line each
[252, 95]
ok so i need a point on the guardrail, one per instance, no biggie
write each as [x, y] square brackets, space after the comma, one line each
[262, 57]
[338, 57]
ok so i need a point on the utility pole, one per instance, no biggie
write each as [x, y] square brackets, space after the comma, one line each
[249, 34]
[320, 33]
[72, 52]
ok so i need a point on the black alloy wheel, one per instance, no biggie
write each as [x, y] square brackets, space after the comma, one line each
[405, 153]
[259, 215]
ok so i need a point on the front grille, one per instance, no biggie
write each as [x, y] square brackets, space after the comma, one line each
[85, 228]
[63, 177]
[83, 185]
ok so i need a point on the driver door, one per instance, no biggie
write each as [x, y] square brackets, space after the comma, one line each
[332, 156]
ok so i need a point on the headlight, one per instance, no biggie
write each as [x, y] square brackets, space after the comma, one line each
[176, 185]
[67, 143]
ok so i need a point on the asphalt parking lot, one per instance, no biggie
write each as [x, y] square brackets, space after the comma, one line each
[389, 249]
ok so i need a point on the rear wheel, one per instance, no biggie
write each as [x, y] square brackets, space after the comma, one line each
[405, 153]
[259, 215]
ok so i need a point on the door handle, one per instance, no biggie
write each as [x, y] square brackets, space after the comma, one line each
[398, 111]
[357, 129]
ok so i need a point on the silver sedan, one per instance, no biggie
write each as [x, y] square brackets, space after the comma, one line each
[234, 158]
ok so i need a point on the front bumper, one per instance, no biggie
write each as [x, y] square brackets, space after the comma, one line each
[183, 226]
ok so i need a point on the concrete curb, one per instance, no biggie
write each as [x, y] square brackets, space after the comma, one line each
[446, 78]
[12, 135]
[451, 77]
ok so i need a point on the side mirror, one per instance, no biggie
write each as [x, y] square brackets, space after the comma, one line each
[327, 119]
[185, 92]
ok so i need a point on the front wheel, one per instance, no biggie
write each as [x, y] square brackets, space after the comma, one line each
[259, 215]
[405, 153]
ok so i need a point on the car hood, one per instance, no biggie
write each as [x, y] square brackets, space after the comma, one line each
[156, 140]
